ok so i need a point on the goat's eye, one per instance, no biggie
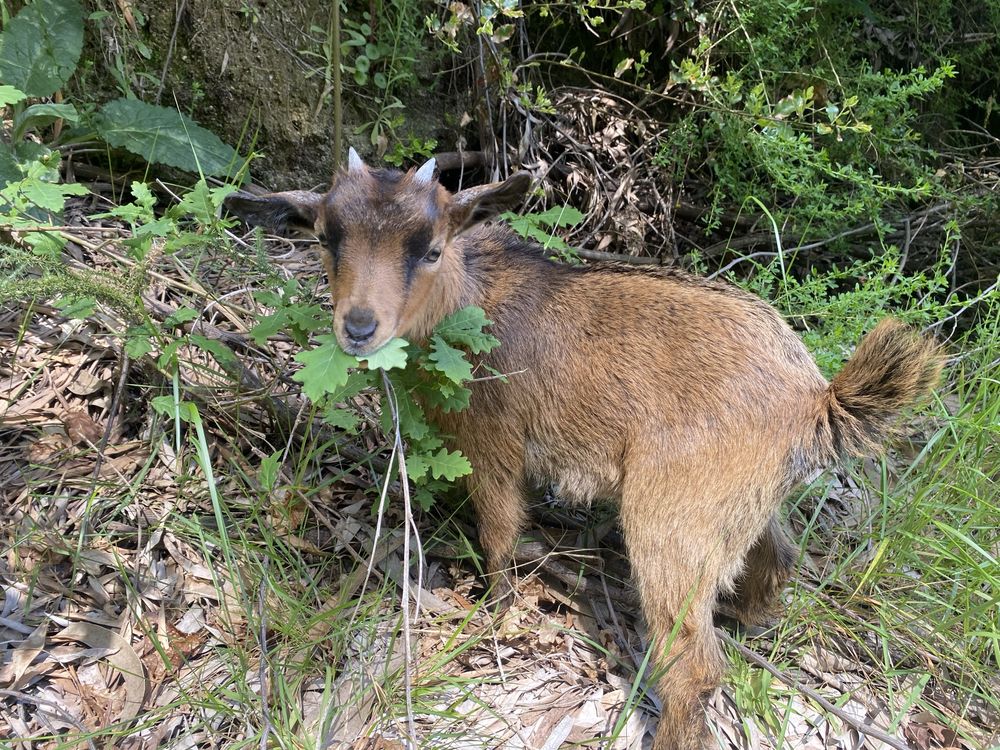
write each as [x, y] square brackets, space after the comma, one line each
[432, 255]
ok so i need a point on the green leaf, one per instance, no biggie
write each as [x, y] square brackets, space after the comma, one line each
[448, 465]
[268, 326]
[416, 467]
[139, 211]
[168, 356]
[465, 327]
[164, 136]
[392, 355]
[39, 115]
[222, 353]
[202, 202]
[185, 411]
[77, 308]
[179, 316]
[40, 47]
[357, 381]
[341, 418]
[267, 475]
[38, 188]
[9, 171]
[139, 341]
[557, 216]
[412, 422]
[326, 368]
[10, 95]
[307, 318]
[424, 498]
[449, 360]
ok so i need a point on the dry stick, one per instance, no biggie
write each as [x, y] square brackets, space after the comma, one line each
[170, 51]
[112, 413]
[634, 260]
[760, 661]
[408, 524]
[338, 117]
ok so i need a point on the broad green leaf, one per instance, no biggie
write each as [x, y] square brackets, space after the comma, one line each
[202, 202]
[449, 360]
[164, 136]
[168, 356]
[424, 498]
[140, 211]
[557, 216]
[9, 171]
[448, 465]
[41, 45]
[39, 115]
[307, 318]
[10, 95]
[391, 356]
[326, 368]
[412, 421]
[465, 327]
[444, 394]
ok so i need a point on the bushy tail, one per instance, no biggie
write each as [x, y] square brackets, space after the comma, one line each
[892, 367]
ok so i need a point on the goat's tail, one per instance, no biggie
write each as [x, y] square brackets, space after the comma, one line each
[892, 367]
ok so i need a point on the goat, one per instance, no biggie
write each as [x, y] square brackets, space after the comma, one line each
[689, 401]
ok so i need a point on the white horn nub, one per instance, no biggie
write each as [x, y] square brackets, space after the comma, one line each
[354, 163]
[426, 173]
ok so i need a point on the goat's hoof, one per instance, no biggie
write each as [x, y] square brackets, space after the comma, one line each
[500, 595]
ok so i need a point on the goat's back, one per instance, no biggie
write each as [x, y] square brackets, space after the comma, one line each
[610, 365]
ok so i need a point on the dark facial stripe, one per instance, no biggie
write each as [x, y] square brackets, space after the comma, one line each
[334, 238]
[416, 247]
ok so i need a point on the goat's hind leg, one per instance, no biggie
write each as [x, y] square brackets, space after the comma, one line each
[768, 566]
[678, 574]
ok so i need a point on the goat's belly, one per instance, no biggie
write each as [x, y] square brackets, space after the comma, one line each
[577, 477]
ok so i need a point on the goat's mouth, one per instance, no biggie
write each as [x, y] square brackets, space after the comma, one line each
[361, 349]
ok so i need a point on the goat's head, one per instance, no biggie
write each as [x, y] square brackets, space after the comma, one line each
[387, 242]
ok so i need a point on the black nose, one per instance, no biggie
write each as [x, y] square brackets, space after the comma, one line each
[360, 325]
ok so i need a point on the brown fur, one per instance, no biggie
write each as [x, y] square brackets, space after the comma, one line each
[690, 402]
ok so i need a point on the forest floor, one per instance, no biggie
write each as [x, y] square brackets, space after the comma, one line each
[160, 593]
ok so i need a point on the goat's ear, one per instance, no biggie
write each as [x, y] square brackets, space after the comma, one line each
[477, 204]
[292, 211]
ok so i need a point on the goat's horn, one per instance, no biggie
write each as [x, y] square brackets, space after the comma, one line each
[354, 163]
[426, 172]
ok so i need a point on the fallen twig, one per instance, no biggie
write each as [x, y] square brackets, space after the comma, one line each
[826, 705]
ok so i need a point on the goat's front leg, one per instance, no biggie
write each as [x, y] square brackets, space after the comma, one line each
[498, 496]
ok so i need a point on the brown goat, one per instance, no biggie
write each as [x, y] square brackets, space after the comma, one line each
[690, 402]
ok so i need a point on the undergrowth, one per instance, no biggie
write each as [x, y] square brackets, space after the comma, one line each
[899, 556]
